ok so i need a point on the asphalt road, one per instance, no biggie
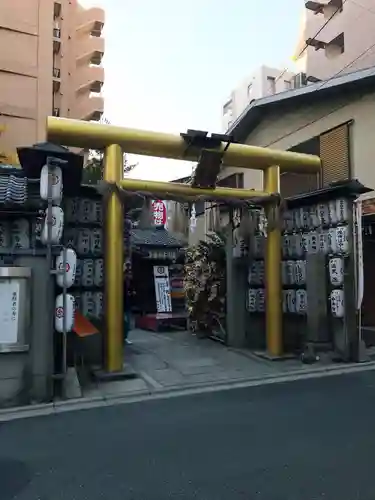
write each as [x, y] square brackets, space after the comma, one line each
[312, 439]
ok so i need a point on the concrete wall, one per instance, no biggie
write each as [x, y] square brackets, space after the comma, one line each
[356, 21]
[283, 131]
[29, 51]
[259, 87]
[27, 376]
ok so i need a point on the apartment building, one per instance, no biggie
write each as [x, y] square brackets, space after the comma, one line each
[262, 82]
[50, 64]
[336, 37]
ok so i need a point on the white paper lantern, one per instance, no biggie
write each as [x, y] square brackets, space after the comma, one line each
[323, 213]
[57, 226]
[305, 242]
[290, 272]
[99, 272]
[298, 218]
[297, 245]
[88, 304]
[85, 210]
[332, 240]
[286, 245]
[291, 301]
[288, 220]
[96, 242]
[301, 302]
[336, 271]
[252, 300]
[342, 210]
[285, 301]
[79, 269]
[323, 241]
[98, 301]
[60, 313]
[342, 239]
[72, 209]
[313, 242]
[84, 241]
[314, 216]
[332, 212]
[67, 276]
[260, 298]
[300, 272]
[337, 303]
[56, 181]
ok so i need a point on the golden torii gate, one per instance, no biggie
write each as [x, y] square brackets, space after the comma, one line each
[115, 141]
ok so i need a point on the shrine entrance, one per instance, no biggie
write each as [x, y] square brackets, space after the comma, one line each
[212, 152]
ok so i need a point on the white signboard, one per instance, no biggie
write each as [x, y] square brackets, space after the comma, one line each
[9, 308]
[162, 289]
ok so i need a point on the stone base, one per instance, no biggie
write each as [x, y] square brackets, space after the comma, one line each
[126, 373]
[270, 357]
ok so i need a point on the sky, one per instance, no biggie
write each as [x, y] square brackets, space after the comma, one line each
[171, 64]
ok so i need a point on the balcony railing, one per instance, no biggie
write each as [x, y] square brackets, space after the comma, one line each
[56, 37]
[92, 21]
[90, 77]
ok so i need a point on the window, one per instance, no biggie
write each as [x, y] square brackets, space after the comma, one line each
[287, 84]
[271, 82]
[250, 91]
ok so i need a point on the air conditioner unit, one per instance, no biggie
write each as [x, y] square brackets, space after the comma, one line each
[299, 80]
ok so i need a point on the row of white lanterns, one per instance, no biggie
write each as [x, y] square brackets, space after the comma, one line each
[322, 214]
[296, 244]
[295, 301]
[51, 186]
[293, 272]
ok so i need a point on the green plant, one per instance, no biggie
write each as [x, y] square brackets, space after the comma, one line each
[205, 282]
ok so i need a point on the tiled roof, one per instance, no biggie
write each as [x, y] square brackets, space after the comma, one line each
[156, 237]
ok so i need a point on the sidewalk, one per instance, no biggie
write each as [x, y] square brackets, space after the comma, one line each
[180, 361]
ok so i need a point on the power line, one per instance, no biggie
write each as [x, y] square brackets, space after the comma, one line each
[319, 88]
[313, 38]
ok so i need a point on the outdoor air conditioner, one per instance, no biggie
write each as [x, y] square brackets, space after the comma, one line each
[299, 80]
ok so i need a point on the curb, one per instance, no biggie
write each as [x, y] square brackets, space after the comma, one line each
[58, 407]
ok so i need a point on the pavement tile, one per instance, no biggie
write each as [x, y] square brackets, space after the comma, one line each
[121, 387]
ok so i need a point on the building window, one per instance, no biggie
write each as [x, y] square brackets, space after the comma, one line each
[271, 82]
[287, 84]
[250, 91]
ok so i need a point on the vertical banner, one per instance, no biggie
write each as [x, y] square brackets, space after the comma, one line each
[9, 309]
[159, 210]
[162, 289]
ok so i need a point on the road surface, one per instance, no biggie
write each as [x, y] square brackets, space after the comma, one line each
[306, 440]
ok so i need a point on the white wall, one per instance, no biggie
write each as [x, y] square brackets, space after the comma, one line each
[260, 87]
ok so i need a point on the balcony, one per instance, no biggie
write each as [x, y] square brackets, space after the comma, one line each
[90, 78]
[56, 38]
[90, 49]
[332, 49]
[91, 21]
[90, 108]
[324, 7]
[56, 75]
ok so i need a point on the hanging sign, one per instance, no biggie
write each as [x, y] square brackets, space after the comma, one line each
[159, 211]
[162, 289]
[162, 254]
[9, 309]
